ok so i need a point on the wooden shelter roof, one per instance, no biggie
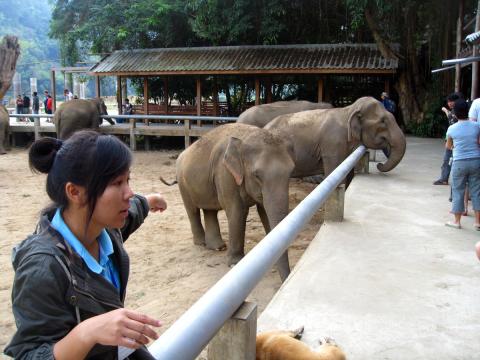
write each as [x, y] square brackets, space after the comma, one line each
[274, 59]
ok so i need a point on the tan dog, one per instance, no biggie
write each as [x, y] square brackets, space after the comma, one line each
[283, 345]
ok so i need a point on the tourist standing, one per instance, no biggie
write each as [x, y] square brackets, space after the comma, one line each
[464, 138]
[35, 103]
[447, 157]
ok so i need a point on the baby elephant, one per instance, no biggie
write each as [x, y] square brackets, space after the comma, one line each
[234, 167]
[283, 345]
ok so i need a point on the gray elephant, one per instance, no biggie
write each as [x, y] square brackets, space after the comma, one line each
[79, 114]
[322, 139]
[261, 115]
[4, 129]
[234, 167]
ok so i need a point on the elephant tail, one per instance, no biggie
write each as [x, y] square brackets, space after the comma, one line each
[168, 183]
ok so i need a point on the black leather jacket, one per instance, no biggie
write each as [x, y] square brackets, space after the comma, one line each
[54, 290]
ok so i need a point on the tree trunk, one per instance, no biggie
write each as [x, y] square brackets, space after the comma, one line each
[9, 52]
[408, 84]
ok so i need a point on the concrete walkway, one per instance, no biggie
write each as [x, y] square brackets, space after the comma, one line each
[391, 281]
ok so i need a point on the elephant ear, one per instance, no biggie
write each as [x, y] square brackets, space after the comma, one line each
[354, 126]
[233, 160]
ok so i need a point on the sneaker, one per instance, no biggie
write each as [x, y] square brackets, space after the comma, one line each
[440, 182]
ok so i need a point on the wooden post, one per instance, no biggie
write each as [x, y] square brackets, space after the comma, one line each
[165, 95]
[199, 100]
[146, 110]
[133, 142]
[387, 86]
[119, 94]
[458, 67]
[475, 72]
[257, 91]
[236, 339]
[36, 124]
[268, 90]
[216, 111]
[334, 206]
[54, 91]
[320, 89]
[97, 86]
[145, 95]
[186, 127]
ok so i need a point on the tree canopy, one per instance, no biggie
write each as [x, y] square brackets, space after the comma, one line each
[423, 29]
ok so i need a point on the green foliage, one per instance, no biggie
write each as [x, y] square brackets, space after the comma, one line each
[435, 122]
[28, 20]
[420, 27]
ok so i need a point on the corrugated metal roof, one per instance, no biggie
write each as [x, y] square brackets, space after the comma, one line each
[245, 59]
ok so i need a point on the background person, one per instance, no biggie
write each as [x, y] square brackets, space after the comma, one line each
[464, 138]
[474, 112]
[388, 103]
[446, 165]
[67, 94]
[45, 93]
[19, 106]
[26, 106]
[35, 103]
[71, 274]
[127, 110]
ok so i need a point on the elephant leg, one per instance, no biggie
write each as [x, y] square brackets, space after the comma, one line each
[193, 213]
[263, 218]
[237, 218]
[213, 238]
[3, 138]
[282, 265]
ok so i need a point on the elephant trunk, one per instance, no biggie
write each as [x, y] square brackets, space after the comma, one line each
[108, 119]
[276, 207]
[397, 146]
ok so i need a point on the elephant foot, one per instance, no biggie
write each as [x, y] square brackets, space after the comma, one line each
[316, 179]
[217, 245]
[234, 259]
[197, 240]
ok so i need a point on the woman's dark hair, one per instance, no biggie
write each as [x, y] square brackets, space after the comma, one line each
[455, 96]
[88, 159]
[460, 109]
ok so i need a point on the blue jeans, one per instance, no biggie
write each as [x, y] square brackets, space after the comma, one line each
[445, 174]
[464, 171]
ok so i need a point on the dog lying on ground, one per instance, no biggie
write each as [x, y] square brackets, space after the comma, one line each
[283, 345]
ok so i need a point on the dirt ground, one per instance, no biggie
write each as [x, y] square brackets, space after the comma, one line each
[168, 273]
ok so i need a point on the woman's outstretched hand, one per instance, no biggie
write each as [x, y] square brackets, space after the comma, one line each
[156, 202]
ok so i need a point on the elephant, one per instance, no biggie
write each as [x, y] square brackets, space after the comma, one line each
[261, 115]
[4, 129]
[79, 114]
[322, 139]
[234, 167]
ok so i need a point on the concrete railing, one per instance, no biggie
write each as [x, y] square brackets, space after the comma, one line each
[186, 338]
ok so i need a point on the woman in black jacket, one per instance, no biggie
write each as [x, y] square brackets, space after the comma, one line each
[71, 274]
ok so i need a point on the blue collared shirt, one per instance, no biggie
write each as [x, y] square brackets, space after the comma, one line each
[105, 265]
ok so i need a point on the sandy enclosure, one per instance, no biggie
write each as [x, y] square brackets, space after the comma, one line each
[168, 273]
